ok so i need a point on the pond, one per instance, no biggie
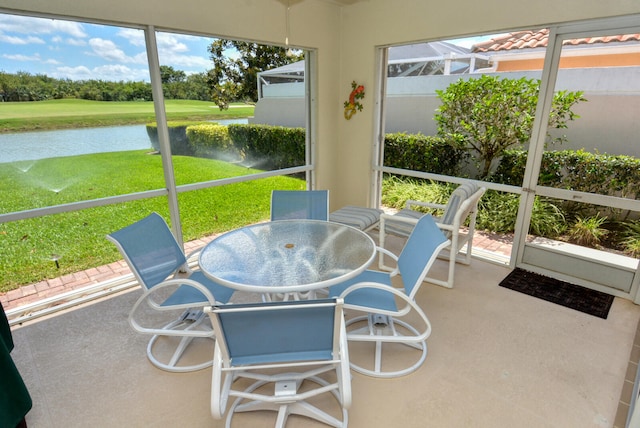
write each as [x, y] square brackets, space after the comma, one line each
[71, 142]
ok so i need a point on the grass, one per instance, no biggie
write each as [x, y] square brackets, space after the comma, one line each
[77, 239]
[74, 113]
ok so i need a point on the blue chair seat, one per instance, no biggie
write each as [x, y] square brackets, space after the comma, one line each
[370, 297]
[188, 295]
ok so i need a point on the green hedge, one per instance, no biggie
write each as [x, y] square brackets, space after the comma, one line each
[422, 153]
[615, 175]
[273, 147]
[211, 140]
[177, 137]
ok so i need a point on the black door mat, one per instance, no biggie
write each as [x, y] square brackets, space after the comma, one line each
[572, 296]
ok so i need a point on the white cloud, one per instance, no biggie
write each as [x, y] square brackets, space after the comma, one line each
[30, 25]
[108, 50]
[114, 72]
[20, 57]
[74, 73]
[121, 72]
[91, 51]
[170, 43]
[34, 57]
[75, 42]
[135, 37]
[173, 49]
[14, 40]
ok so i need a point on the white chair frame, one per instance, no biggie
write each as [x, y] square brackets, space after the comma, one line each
[286, 376]
[460, 250]
[183, 290]
[384, 305]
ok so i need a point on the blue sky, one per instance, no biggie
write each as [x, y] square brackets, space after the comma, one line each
[82, 51]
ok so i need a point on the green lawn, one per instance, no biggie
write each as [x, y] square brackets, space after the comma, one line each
[74, 113]
[78, 238]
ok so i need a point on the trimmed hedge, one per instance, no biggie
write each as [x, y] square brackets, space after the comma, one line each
[177, 137]
[615, 175]
[273, 147]
[211, 140]
[422, 153]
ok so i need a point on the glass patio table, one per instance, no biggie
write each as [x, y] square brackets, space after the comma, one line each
[287, 256]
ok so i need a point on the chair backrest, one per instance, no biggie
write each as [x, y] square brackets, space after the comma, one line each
[300, 204]
[461, 194]
[419, 253]
[278, 332]
[150, 249]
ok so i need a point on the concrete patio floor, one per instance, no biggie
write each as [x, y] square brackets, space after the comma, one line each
[497, 358]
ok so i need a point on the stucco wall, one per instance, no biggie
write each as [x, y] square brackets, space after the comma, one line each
[607, 123]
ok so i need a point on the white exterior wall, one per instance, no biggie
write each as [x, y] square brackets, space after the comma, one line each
[608, 120]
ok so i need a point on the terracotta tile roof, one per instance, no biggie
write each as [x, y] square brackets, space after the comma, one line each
[539, 39]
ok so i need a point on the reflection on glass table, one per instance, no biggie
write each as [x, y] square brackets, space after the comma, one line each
[288, 257]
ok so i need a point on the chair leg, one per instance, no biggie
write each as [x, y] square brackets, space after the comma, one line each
[192, 319]
[452, 269]
[377, 328]
[284, 409]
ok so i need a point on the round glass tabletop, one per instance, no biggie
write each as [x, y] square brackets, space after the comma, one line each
[287, 256]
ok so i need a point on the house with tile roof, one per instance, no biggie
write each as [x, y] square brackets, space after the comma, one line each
[524, 50]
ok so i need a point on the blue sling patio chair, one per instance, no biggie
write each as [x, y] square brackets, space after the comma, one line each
[384, 322]
[299, 204]
[276, 356]
[168, 285]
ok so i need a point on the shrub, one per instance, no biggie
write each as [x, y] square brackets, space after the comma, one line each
[497, 212]
[272, 147]
[211, 141]
[490, 114]
[631, 239]
[588, 231]
[177, 137]
[422, 153]
[547, 219]
[396, 191]
[613, 175]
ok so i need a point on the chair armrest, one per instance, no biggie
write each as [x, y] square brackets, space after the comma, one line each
[400, 294]
[164, 331]
[398, 218]
[431, 205]
[192, 257]
[395, 271]
[443, 226]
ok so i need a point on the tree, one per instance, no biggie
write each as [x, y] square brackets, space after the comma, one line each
[170, 75]
[490, 114]
[235, 78]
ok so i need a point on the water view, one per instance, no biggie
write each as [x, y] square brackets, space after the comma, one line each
[25, 146]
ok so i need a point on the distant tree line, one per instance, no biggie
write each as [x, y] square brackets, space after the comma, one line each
[232, 78]
[23, 86]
